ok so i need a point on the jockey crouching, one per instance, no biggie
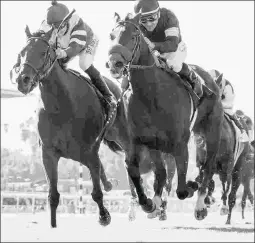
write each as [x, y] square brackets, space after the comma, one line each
[227, 100]
[76, 38]
[162, 33]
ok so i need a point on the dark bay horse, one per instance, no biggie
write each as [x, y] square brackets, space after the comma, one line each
[159, 115]
[232, 166]
[70, 118]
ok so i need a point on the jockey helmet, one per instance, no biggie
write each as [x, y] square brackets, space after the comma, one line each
[146, 7]
[56, 13]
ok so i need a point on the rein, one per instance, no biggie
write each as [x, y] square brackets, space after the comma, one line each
[41, 73]
[136, 48]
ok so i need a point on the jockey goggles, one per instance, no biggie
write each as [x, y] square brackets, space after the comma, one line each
[151, 18]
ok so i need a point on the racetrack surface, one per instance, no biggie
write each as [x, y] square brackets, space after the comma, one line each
[82, 228]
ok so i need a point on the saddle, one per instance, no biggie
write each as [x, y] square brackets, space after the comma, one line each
[161, 63]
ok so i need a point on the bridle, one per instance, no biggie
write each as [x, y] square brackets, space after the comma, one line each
[138, 40]
[43, 71]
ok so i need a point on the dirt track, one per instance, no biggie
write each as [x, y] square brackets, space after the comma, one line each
[178, 227]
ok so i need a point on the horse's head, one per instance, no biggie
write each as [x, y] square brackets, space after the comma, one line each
[36, 60]
[127, 40]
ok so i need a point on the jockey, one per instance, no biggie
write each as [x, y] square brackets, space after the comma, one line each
[76, 38]
[162, 32]
[227, 100]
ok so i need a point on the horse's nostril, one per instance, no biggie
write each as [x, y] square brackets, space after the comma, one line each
[107, 65]
[119, 64]
[26, 80]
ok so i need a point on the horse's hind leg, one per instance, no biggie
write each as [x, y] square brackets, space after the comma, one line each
[223, 177]
[50, 162]
[212, 135]
[209, 200]
[133, 201]
[106, 183]
[243, 203]
[159, 181]
[236, 181]
[97, 194]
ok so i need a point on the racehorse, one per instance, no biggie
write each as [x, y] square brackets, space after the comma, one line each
[160, 113]
[71, 116]
[231, 164]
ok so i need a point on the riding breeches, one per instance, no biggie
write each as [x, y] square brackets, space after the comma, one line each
[86, 57]
[175, 59]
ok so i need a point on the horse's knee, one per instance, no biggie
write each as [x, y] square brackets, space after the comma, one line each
[97, 196]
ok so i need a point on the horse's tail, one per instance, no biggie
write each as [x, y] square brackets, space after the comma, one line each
[113, 146]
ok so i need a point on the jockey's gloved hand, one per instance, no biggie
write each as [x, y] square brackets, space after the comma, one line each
[61, 53]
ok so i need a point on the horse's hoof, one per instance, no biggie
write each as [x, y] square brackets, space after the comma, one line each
[182, 195]
[224, 211]
[53, 226]
[190, 192]
[193, 185]
[149, 207]
[163, 217]
[105, 220]
[108, 186]
[200, 214]
[228, 222]
[154, 214]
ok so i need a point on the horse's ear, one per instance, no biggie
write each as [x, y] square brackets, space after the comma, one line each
[116, 17]
[28, 33]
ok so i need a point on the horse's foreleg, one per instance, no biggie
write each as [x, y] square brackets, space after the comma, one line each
[97, 194]
[132, 161]
[184, 189]
[236, 181]
[50, 162]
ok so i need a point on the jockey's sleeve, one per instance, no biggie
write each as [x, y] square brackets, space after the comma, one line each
[172, 33]
[78, 39]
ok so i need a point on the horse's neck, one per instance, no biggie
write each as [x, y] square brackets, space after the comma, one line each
[56, 91]
[141, 85]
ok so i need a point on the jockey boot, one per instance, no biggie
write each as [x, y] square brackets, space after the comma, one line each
[194, 80]
[100, 83]
[244, 137]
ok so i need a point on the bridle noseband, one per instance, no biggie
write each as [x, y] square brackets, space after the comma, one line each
[41, 73]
